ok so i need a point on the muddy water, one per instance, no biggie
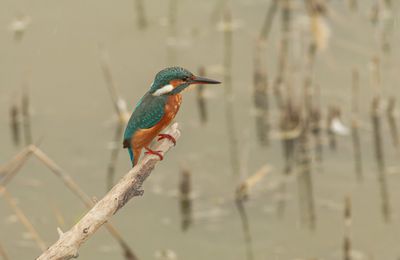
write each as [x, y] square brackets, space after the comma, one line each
[73, 117]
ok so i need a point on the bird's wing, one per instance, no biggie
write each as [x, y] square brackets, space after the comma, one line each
[147, 114]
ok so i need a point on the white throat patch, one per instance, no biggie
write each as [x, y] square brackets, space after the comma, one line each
[163, 90]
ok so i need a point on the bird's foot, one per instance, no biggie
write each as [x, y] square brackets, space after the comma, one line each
[167, 136]
[158, 153]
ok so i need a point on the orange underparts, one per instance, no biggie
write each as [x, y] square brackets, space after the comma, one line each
[143, 137]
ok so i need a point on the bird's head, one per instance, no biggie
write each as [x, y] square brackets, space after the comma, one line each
[173, 80]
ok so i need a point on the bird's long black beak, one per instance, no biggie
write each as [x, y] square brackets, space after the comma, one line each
[202, 80]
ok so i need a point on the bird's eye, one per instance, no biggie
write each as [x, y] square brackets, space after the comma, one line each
[186, 78]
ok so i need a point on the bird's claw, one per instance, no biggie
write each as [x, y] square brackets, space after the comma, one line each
[167, 136]
[158, 153]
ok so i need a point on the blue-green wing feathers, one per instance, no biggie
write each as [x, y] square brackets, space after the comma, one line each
[147, 114]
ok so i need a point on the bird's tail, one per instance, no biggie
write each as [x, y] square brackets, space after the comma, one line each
[130, 151]
[131, 155]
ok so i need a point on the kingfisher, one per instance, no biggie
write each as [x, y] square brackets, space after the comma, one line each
[156, 109]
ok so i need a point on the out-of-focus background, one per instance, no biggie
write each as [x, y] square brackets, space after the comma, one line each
[56, 59]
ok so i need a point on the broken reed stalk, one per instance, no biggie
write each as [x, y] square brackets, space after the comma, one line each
[10, 169]
[304, 162]
[229, 111]
[245, 225]
[391, 117]
[26, 115]
[387, 19]
[15, 123]
[315, 121]
[347, 229]
[378, 147]
[332, 114]
[118, 102]
[172, 32]
[4, 169]
[304, 179]
[283, 52]
[128, 187]
[23, 218]
[260, 97]
[19, 160]
[122, 114]
[260, 79]
[3, 253]
[201, 100]
[289, 126]
[269, 18]
[355, 126]
[377, 140]
[141, 16]
[185, 189]
[112, 165]
[241, 196]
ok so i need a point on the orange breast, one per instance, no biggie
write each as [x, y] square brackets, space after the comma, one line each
[144, 137]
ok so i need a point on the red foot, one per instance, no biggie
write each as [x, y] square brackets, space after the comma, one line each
[167, 136]
[158, 153]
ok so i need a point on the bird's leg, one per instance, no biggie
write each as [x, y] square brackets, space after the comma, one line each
[167, 136]
[158, 153]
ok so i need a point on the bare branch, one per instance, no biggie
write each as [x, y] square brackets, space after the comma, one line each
[128, 187]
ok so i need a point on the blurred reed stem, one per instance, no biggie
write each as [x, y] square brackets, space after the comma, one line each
[118, 102]
[26, 115]
[391, 117]
[15, 122]
[140, 14]
[10, 169]
[122, 115]
[304, 179]
[290, 127]
[241, 196]
[315, 127]
[115, 148]
[201, 100]
[185, 189]
[260, 78]
[283, 51]
[23, 218]
[378, 147]
[245, 226]
[304, 162]
[269, 18]
[347, 229]
[3, 253]
[377, 139]
[355, 126]
[261, 97]
[6, 166]
[229, 97]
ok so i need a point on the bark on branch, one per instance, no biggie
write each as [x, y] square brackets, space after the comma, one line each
[128, 187]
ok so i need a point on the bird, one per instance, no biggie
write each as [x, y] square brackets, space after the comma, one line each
[156, 109]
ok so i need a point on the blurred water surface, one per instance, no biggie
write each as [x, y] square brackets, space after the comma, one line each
[58, 57]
